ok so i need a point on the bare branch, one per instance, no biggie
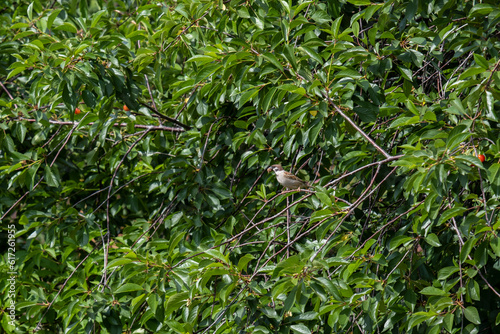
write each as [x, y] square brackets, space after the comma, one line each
[170, 119]
[348, 119]
[123, 125]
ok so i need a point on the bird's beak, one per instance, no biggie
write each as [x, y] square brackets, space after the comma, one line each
[269, 169]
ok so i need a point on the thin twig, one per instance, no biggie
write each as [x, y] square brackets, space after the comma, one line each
[170, 119]
[354, 125]
[21, 198]
[67, 138]
[39, 325]
[108, 230]
[8, 93]
[337, 180]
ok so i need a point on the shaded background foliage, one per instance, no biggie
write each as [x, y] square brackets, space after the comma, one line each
[159, 216]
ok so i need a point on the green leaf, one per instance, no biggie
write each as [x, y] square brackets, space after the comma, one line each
[66, 26]
[406, 72]
[301, 6]
[399, 240]
[52, 17]
[433, 240]
[267, 99]
[176, 301]
[128, 287]
[248, 95]
[52, 176]
[292, 265]
[313, 54]
[243, 12]
[495, 246]
[403, 121]
[221, 192]
[450, 213]
[207, 71]
[360, 2]
[243, 262]
[349, 74]
[458, 135]
[321, 215]
[472, 315]
[490, 101]
[203, 59]
[481, 61]
[314, 131]
[469, 159]
[285, 6]
[324, 197]
[174, 242]
[89, 98]
[494, 177]
[300, 329]
[21, 132]
[15, 71]
[273, 60]
[448, 322]
[217, 255]
[289, 53]
[119, 262]
[321, 16]
[293, 89]
[466, 248]
[481, 9]
[432, 291]
[473, 290]
[336, 26]
[96, 17]
[30, 11]
[471, 71]
[446, 272]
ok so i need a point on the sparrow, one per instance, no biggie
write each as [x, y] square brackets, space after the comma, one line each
[287, 179]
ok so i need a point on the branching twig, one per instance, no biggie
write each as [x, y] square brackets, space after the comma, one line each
[67, 138]
[108, 231]
[352, 207]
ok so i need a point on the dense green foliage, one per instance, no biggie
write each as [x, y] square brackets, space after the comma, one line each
[161, 217]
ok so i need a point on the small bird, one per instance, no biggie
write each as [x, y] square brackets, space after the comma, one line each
[287, 179]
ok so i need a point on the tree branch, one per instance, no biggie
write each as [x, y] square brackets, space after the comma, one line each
[170, 119]
[348, 119]
[123, 125]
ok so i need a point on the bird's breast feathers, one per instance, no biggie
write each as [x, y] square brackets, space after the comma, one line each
[289, 180]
